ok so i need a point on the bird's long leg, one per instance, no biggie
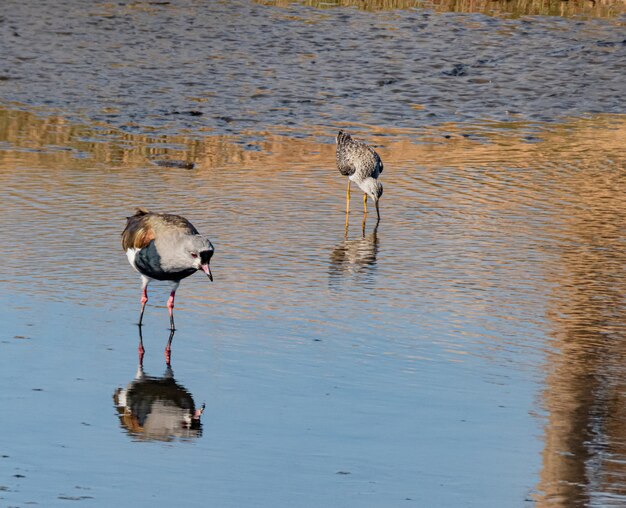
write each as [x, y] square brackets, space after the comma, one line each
[144, 298]
[348, 198]
[140, 349]
[364, 203]
[168, 348]
[170, 307]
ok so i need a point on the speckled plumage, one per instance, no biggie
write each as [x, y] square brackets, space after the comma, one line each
[362, 165]
[357, 160]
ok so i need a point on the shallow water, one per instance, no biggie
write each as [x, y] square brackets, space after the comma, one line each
[466, 351]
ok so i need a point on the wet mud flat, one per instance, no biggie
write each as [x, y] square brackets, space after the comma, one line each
[242, 67]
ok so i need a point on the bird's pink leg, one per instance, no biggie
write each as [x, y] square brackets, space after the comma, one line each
[144, 300]
[170, 306]
[168, 348]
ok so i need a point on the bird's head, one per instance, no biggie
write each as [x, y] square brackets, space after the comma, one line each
[373, 188]
[379, 190]
[199, 251]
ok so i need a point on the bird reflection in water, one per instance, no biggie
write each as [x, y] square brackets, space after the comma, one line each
[157, 408]
[355, 257]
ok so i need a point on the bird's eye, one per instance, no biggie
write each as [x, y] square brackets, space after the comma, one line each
[194, 255]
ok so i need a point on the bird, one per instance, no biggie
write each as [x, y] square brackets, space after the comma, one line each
[166, 247]
[362, 165]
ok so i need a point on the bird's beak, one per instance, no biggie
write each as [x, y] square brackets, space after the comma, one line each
[207, 270]
[377, 210]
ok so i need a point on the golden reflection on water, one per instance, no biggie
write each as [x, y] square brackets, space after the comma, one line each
[585, 396]
[46, 139]
[51, 140]
[513, 8]
[514, 221]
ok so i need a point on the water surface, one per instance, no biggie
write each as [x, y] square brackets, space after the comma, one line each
[465, 351]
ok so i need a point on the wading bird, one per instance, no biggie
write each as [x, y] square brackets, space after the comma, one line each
[362, 165]
[164, 247]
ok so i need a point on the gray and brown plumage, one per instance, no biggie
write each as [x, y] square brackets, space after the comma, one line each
[362, 165]
[164, 247]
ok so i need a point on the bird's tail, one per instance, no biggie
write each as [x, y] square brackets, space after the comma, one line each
[342, 137]
[140, 212]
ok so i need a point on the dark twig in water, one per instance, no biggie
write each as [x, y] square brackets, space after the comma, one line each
[174, 164]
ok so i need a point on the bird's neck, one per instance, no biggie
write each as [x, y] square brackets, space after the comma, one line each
[368, 185]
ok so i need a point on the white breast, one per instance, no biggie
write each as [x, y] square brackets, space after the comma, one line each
[131, 254]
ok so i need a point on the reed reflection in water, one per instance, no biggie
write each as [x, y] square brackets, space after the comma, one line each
[157, 408]
[512, 8]
[584, 459]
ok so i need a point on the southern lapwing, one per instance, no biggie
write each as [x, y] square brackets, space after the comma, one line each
[164, 247]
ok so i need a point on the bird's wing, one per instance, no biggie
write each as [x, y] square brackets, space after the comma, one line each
[164, 221]
[345, 166]
[139, 231]
[357, 157]
[144, 226]
[346, 148]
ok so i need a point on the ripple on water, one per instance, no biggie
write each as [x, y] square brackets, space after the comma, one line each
[340, 65]
[482, 229]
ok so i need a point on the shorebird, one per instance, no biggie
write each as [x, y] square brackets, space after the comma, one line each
[164, 247]
[362, 165]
